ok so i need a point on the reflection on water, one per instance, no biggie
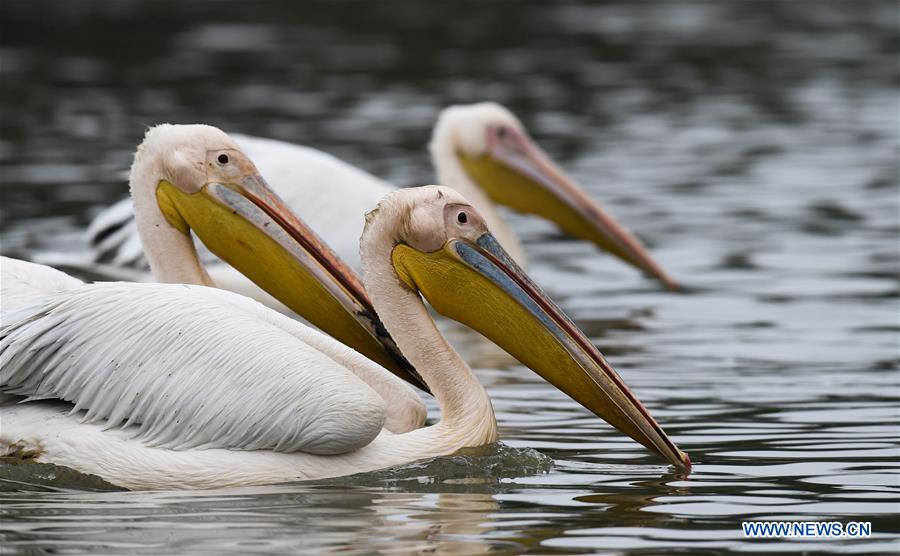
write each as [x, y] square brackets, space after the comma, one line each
[752, 145]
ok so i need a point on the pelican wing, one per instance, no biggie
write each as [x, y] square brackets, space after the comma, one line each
[189, 367]
[111, 236]
[405, 411]
[23, 283]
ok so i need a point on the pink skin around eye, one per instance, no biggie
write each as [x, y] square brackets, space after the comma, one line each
[507, 138]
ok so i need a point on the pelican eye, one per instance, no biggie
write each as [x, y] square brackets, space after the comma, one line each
[462, 218]
[223, 159]
[502, 133]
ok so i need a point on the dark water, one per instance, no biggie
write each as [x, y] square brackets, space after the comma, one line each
[753, 145]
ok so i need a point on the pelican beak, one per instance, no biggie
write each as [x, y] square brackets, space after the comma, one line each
[479, 285]
[248, 226]
[517, 173]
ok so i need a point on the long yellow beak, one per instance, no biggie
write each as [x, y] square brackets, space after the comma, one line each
[479, 285]
[516, 172]
[248, 226]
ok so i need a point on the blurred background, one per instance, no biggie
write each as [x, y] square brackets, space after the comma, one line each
[752, 144]
[363, 80]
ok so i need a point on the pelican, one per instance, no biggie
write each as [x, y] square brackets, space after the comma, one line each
[481, 150]
[195, 179]
[315, 419]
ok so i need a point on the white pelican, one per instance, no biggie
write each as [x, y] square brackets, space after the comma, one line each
[191, 428]
[195, 179]
[481, 150]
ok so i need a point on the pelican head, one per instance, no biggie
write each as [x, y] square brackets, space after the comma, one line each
[442, 249]
[496, 153]
[194, 178]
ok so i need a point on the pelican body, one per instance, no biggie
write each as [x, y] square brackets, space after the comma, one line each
[481, 150]
[185, 417]
[195, 179]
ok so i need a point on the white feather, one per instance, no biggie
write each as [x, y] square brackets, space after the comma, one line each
[191, 366]
[23, 283]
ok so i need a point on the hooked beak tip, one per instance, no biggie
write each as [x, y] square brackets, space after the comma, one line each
[652, 270]
[671, 284]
